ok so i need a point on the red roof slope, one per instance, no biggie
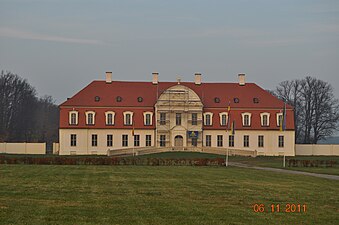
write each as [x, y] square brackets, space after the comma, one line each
[130, 91]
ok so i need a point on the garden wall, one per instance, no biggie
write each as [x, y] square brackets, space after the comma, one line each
[317, 149]
[23, 148]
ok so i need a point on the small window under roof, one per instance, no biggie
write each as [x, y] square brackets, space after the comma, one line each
[119, 99]
[96, 98]
[256, 100]
[236, 100]
[140, 99]
[217, 100]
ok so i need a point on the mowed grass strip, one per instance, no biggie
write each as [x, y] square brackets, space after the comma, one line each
[38, 194]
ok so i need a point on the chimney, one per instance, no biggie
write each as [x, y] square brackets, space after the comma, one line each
[241, 79]
[108, 77]
[197, 78]
[155, 77]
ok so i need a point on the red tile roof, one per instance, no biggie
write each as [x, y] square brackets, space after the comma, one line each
[130, 91]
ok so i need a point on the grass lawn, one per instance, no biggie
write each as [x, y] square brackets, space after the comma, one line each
[39, 194]
[265, 161]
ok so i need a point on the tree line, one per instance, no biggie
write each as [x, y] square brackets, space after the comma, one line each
[25, 117]
[316, 110]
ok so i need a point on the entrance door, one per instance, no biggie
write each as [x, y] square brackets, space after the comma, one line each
[178, 141]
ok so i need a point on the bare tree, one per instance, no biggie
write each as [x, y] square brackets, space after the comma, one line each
[315, 108]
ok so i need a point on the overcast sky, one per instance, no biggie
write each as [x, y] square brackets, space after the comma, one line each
[60, 46]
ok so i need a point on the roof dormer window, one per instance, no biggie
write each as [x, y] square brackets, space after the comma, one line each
[265, 119]
[217, 100]
[110, 117]
[119, 99]
[140, 99]
[73, 117]
[128, 118]
[236, 100]
[208, 116]
[90, 117]
[246, 119]
[96, 98]
[255, 100]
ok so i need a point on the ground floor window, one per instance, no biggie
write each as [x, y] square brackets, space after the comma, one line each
[194, 141]
[136, 140]
[219, 140]
[231, 140]
[109, 140]
[281, 141]
[124, 140]
[261, 141]
[246, 141]
[208, 140]
[162, 140]
[148, 140]
[94, 140]
[73, 140]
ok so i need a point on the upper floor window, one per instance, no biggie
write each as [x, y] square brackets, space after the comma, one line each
[178, 119]
[148, 118]
[194, 118]
[279, 119]
[281, 141]
[246, 119]
[265, 119]
[128, 118]
[162, 118]
[90, 118]
[73, 117]
[208, 118]
[110, 117]
[223, 118]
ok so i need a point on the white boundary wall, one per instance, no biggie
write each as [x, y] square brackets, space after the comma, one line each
[23, 148]
[317, 149]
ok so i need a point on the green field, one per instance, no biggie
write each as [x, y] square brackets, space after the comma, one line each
[39, 194]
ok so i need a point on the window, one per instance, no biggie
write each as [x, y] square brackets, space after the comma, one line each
[261, 141]
[236, 100]
[265, 119]
[94, 140]
[73, 117]
[219, 140]
[194, 141]
[140, 99]
[119, 99]
[110, 117]
[246, 141]
[217, 100]
[162, 118]
[246, 119]
[136, 140]
[231, 140]
[97, 98]
[148, 118]
[208, 140]
[162, 140]
[178, 119]
[194, 118]
[124, 140]
[128, 118]
[109, 140]
[281, 141]
[148, 140]
[73, 140]
[90, 118]
[255, 100]
[279, 119]
[223, 118]
[208, 119]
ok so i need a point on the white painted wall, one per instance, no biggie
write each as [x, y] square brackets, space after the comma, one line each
[23, 148]
[318, 149]
[270, 141]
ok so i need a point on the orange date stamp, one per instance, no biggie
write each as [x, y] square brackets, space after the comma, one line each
[276, 208]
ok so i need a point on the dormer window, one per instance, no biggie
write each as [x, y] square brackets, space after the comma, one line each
[140, 99]
[90, 118]
[255, 100]
[73, 117]
[246, 119]
[118, 98]
[110, 117]
[279, 119]
[217, 100]
[208, 119]
[265, 119]
[148, 118]
[223, 116]
[236, 100]
[128, 118]
[96, 98]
